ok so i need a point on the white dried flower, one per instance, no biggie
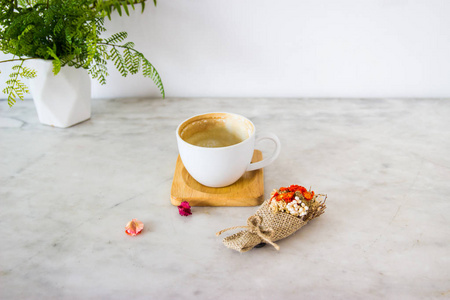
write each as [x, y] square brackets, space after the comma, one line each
[274, 206]
[296, 208]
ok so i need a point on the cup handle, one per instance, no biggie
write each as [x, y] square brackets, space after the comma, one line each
[269, 160]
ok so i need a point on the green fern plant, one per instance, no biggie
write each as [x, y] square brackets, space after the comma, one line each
[68, 32]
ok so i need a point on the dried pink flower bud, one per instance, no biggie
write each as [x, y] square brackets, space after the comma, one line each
[184, 209]
[134, 227]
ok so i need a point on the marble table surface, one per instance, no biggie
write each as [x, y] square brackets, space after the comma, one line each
[66, 195]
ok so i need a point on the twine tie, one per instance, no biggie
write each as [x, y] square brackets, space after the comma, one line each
[254, 226]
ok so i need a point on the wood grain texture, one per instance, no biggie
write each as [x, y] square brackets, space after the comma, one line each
[247, 191]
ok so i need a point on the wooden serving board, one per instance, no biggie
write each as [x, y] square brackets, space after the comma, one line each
[247, 191]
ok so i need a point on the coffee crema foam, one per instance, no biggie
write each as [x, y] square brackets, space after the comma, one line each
[216, 132]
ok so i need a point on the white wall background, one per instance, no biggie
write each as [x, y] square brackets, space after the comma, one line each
[288, 48]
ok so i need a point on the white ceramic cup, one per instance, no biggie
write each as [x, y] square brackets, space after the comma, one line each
[221, 166]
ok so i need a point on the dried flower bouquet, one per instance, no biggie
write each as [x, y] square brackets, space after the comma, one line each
[287, 210]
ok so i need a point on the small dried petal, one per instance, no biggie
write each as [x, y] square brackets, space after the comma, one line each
[184, 209]
[134, 227]
[274, 193]
[308, 195]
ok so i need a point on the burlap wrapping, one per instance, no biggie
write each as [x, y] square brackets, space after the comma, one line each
[266, 226]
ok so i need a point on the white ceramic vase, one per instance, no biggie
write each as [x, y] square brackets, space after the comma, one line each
[62, 100]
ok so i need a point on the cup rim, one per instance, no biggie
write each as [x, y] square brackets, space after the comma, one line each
[215, 148]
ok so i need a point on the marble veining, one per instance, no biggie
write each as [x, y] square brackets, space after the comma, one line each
[66, 195]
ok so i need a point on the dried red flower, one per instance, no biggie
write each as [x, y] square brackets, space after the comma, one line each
[287, 194]
[287, 197]
[184, 209]
[295, 188]
[134, 227]
[308, 195]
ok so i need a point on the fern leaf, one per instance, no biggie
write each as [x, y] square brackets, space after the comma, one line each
[21, 88]
[56, 66]
[58, 27]
[11, 99]
[68, 36]
[14, 86]
[119, 62]
[56, 61]
[108, 12]
[8, 90]
[125, 8]
[28, 73]
[129, 61]
[137, 60]
[131, 2]
[25, 31]
[13, 75]
[116, 38]
[129, 45]
[98, 70]
[100, 25]
[118, 8]
[149, 71]
[91, 47]
[22, 3]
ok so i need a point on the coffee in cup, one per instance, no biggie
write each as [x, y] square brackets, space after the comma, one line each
[216, 148]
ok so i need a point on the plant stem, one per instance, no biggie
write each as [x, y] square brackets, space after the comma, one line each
[113, 45]
[17, 59]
